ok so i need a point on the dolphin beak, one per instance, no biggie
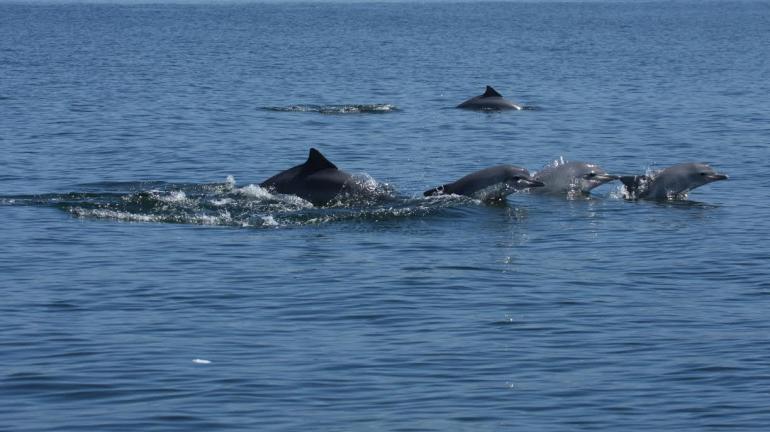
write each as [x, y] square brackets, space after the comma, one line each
[715, 177]
[604, 178]
[532, 183]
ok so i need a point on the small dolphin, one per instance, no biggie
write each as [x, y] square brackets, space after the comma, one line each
[490, 100]
[571, 178]
[490, 184]
[671, 183]
[317, 180]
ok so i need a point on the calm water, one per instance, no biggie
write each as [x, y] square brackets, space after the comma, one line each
[147, 284]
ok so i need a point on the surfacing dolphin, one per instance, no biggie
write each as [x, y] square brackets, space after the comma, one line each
[490, 184]
[317, 180]
[490, 100]
[670, 183]
[571, 178]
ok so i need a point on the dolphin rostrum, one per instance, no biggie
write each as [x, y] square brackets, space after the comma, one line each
[571, 178]
[671, 183]
[489, 184]
[490, 100]
[317, 180]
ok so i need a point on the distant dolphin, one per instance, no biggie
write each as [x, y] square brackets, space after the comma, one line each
[571, 178]
[671, 183]
[489, 184]
[490, 100]
[317, 180]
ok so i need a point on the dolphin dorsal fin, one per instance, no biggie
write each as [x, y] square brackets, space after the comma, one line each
[490, 92]
[316, 162]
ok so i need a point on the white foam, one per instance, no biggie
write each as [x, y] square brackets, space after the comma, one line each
[385, 107]
[173, 197]
[270, 221]
[260, 193]
[222, 202]
[223, 218]
[255, 191]
[367, 182]
[201, 361]
[113, 214]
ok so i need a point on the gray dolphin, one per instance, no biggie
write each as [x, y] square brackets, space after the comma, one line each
[671, 183]
[490, 100]
[317, 180]
[571, 178]
[489, 184]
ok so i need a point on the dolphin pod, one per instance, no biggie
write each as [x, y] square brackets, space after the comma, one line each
[320, 182]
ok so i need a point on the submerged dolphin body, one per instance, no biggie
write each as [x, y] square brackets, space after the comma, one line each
[571, 178]
[317, 180]
[671, 183]
[490, 100]
[489, 184]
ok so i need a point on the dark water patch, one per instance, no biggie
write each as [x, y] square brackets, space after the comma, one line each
[62, 306]
[51, 387]
[337, 109]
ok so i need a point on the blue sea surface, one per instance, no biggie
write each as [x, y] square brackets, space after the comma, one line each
[148, 284]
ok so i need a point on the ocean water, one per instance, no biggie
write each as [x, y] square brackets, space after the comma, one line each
[147, 283]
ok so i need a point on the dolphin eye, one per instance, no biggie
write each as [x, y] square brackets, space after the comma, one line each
[591, 175]
[703, 174]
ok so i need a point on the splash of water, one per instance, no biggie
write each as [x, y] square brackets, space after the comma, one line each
[337, 109]
[225, 204]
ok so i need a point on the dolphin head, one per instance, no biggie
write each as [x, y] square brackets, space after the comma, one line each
[589, 176]
[517, 178]
[696, 174]
[572, 178]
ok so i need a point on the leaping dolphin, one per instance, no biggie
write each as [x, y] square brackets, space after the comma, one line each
[490, 100]
[571, 178]
[490, 184]
[317, 180]
[671, 183]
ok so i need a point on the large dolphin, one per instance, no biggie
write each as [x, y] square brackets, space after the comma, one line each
[490, 100]
[571, 178]
[317, 180]
[671, 183]
[489, 184]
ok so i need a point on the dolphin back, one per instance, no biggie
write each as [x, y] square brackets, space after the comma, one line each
[317, 180]
[490, 100]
